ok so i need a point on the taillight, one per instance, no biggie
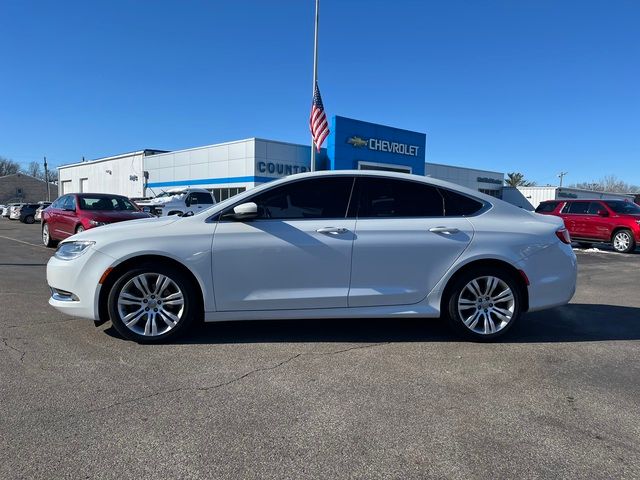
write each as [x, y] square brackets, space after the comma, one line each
[563, 235]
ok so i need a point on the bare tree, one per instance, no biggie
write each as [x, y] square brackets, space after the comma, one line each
[34, 170]
[8, 167]
[516, 179]
[609, 183]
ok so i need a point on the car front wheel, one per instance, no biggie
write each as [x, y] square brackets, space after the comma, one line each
[484, 303]
[623, 241]
[152, 303]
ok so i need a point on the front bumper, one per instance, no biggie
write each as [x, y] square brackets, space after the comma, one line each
[74, 284]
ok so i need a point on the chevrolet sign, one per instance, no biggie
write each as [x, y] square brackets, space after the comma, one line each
[384, 146]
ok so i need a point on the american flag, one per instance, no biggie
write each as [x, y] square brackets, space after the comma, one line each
[318, 120]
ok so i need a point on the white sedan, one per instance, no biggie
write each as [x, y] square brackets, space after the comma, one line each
[341, 244]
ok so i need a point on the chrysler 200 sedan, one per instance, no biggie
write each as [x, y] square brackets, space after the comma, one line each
[347, 244]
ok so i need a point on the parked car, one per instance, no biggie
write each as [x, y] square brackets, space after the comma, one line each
[38, 215]
[178, 201]
[5, 210]
[611, 221]
[14, 211]
[26, 213]
[340, 244]
[76, 212]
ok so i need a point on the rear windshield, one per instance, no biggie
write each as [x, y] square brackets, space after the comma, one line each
[106, 204]
[620, 206]
[547, 207]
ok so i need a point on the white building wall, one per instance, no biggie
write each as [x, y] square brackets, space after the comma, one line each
[121, 175]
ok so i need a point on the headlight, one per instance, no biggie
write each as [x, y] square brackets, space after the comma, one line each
[95, 223]
[71, 250]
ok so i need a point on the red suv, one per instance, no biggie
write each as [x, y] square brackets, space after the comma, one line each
[612, 221]
[76, 212]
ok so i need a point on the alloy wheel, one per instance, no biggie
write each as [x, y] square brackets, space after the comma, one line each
[486, 305]
[621, 241]
[150, 304]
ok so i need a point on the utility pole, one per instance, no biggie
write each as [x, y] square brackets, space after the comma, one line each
[561, 175]
[315, 80]
[46, 179]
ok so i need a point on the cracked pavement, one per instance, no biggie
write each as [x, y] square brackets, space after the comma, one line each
[320, 399]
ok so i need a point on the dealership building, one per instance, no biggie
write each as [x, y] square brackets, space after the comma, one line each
[233, 167]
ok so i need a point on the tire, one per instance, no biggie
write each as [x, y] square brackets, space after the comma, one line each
[29, 219]
[79, 229]
[136, 315]
[46, 237]
[585, 244]
[623, 241]
[473, 316]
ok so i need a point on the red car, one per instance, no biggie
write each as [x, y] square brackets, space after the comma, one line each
[77, 212]
[611, 221]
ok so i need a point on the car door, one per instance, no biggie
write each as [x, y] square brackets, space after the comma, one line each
[597, 226]
[408, 234]
[66, 218]
[576, 218]
[295, 255]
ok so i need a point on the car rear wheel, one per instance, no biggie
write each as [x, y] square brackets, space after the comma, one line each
[623, 241]
[79, 229]
[152, 303]
[29, 219]
[46, 237]
[484, 303]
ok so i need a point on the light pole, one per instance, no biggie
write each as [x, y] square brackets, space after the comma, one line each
[315, 80]
[561, 175]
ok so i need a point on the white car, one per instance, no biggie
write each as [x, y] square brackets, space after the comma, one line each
[337, 244]
[178, 201]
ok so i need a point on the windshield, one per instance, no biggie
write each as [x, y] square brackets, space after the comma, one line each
[171, 194]
[107, 204]
[620, 206]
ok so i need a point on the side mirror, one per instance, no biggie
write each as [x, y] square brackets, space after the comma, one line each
[244, 211]
[603, 213]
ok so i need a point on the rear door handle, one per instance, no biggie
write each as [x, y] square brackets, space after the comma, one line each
[332, 230]
[445, 230]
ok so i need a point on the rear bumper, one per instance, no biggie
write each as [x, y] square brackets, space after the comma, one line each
[552, 275]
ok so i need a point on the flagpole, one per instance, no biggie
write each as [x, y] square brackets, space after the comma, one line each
[315, 80]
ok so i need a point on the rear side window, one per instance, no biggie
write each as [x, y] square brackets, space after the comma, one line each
[458, 205]
[390, 198]
[314, 198]
[547, 207]
[576, 207]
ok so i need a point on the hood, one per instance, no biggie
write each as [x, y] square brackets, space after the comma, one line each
[161, 200]
[129, 229]
[116, 215]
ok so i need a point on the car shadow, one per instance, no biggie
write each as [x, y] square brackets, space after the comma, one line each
[570, 323]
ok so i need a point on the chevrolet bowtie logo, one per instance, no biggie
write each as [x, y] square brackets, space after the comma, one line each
[357, 142]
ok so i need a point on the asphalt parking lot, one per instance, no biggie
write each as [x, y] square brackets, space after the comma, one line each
[557, 398]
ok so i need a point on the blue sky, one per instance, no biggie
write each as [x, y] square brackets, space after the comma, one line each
[530, 86]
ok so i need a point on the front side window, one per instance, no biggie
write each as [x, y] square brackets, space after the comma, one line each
[620, 206]
[70, 203]
[326, 197]
[391, 198]
[202, 198]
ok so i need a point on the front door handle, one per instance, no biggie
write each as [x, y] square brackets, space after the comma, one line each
[445, 230]
[332, 230]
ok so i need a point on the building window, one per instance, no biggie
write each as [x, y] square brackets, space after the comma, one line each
[493, 193]
[221, 194]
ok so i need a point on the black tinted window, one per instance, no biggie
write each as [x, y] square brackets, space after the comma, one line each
[382, 197]
[620, 206]
[577, 207]
[594, 208]
[201, 198]
[547, 207]
[457, 205]
[69, 203]
[314, 198]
